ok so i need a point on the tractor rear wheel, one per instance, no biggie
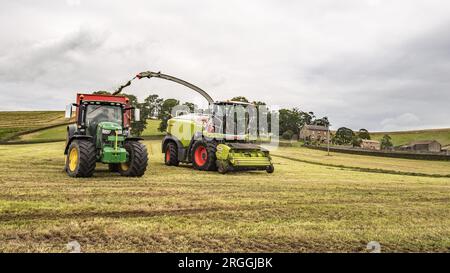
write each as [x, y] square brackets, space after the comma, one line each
[204, 155]
[171, 156]
[81, 158]
[137, 159]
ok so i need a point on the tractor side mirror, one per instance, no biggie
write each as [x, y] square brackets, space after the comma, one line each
[137, 114]
[68, 113]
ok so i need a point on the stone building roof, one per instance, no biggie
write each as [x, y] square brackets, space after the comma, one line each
[315, 127]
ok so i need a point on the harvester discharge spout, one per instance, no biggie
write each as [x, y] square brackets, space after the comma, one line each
[150, 74]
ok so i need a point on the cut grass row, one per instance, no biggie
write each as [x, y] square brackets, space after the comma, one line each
[300, 208]
[366, 163]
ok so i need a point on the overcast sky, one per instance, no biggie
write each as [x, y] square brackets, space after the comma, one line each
[381, 65]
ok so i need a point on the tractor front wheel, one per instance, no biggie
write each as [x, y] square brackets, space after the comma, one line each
[81, 158]
[171, 156]
[204, 155]
[137, 159]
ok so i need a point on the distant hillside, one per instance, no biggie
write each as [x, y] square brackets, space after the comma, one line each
[15, 122]
[404, 137]
[12, 123]
[59, 133]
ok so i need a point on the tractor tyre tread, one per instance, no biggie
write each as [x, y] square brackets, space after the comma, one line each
[87, 158]
[173, 155]
[138, 159]
[211, 147]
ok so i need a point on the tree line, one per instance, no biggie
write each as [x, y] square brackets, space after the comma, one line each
[346, 135]
[153, 106]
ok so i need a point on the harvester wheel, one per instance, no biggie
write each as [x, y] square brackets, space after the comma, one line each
[113, 167]
[137, 159]
[171, 156]
[204, 155]
[270, 169]
[81, 158]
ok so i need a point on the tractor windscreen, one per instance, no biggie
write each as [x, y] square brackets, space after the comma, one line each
[96, 113]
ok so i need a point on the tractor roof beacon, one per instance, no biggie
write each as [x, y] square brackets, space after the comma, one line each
[207, 150]
[101, 133]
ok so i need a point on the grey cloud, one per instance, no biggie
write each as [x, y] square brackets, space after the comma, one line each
[33, 62]
[392, 82]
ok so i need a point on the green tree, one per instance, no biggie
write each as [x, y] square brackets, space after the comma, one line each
[363, 134]
[153, 105]
[165, 113]
[290, 119]
[101, 92]
[190, 105]
[240, 98]
[386, 142]
[321, 122]
[293, 119]
[356, 141]
[259, 103]
[343, 136]
[308, 117]
[287, 135]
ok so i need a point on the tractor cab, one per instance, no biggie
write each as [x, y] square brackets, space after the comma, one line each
[107, 116]
[102, 126]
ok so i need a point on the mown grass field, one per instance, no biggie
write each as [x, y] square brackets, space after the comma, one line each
[302, 207]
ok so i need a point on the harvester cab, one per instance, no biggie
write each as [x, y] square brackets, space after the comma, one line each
[101, 133]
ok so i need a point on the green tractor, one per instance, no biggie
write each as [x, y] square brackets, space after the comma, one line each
[101, 134]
